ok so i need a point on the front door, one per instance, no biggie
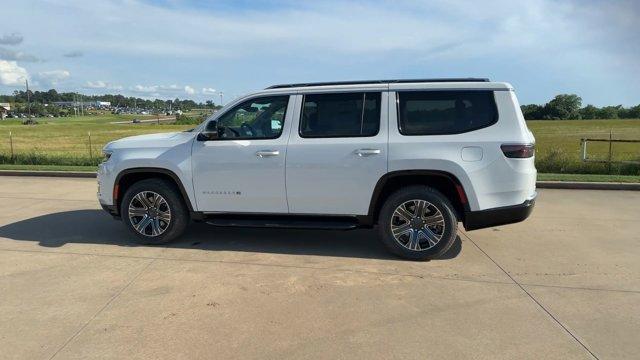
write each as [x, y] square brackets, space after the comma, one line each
[243, 169]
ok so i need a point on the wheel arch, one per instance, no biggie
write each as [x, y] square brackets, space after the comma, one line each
[445, 182]
[128, 177]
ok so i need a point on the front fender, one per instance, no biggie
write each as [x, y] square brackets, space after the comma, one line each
[175, 161]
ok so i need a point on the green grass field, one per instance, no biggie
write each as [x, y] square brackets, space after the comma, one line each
[558, 145]
[65, 141]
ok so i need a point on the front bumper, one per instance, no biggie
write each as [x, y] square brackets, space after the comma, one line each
[474, 220]
[112, 210]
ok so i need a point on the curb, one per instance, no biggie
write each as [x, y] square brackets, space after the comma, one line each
[587, 185]
[539, 184]
[65, 174]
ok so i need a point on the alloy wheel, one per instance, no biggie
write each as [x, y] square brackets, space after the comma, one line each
[149, 213]
[417, 225]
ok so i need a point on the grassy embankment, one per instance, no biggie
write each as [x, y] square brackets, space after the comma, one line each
[63, 144]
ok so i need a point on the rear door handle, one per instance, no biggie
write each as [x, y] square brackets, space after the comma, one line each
[367, 152]
[267, 153]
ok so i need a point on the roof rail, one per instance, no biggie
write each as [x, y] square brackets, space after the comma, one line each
[393, 81]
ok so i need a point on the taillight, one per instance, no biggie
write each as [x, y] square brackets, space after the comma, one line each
[518, 151]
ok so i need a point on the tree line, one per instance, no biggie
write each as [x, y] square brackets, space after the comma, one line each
[569, 107]
[561, 107]
[20, 97]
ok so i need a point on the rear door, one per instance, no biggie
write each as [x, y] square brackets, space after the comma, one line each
[337, 152]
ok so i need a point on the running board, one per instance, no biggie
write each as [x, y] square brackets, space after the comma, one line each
[286, 222]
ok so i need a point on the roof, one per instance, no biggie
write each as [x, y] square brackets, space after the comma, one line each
[391, 81]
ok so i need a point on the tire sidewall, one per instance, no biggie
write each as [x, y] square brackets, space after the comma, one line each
[179, 213]
[418, 193]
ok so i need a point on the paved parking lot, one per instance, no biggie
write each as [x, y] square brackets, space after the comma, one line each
[565, 284]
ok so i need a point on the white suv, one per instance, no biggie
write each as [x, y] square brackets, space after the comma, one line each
[414, 157]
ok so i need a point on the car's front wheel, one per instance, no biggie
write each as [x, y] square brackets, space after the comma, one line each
[418, 223]
[154, 211]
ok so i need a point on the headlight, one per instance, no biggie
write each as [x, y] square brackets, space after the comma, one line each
[107, 154]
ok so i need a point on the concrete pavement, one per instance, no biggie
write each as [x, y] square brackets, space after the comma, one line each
[564, 284]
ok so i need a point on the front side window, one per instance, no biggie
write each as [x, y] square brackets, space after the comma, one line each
[258, 118]
[340, 115]
[445, 112]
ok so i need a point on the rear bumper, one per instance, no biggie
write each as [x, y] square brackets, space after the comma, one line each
[475, 220]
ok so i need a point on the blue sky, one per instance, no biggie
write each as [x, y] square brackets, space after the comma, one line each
[195, 49]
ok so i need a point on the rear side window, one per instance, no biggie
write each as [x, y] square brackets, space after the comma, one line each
[340, 115]
[445, 112]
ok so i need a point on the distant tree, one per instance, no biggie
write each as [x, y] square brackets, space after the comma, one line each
[631, 113]
[37, 109]
[589, 112]
[564, 107]
[53, 110]
[532, 112]
[609, 112]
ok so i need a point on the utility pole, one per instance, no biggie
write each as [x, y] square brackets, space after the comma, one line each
[28, 99]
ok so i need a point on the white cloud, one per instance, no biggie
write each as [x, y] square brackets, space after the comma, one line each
[73, 54]
[416, 26]
[102, 85]
[96, 84]
[208, 91]
[515, 41]
[53, 77]
[163, 91]
[11, 39]
[173, 87]
[8, 54]
[144, 89]
[162, 88]
[154, 88]
[11, 74]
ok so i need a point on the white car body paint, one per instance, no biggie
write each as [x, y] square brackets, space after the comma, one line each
[326, 176]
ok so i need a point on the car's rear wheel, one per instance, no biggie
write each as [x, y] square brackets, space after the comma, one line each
[418, 223]
[154, 211]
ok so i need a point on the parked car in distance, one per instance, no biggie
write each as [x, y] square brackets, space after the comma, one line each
[411, 157]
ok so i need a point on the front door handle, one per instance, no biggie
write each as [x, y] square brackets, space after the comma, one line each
[367, 152]
[267, 153]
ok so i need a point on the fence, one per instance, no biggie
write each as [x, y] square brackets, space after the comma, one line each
[609, 159]
[77, 148]
[90, 151]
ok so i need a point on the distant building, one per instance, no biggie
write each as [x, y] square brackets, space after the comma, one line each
[4, 109]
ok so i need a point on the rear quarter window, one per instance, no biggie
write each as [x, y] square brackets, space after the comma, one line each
[445, 112]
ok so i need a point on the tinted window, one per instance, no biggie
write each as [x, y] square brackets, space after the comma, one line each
[258, 118]
[340, 115]
[445, 112]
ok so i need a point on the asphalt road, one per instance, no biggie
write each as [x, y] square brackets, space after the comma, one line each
[565, 284]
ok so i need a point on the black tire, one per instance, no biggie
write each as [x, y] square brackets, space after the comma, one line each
[439, 201]
[170, 193]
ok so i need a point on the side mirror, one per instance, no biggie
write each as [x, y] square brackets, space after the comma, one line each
[211, 132]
